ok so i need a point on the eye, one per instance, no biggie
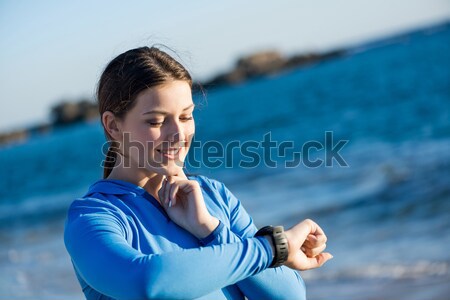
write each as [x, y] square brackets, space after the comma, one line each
[155, 123]
[186, 118]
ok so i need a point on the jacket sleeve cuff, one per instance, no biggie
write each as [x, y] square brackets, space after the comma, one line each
[213, 235]
[268, 248]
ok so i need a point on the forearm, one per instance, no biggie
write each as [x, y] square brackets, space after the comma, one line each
[207, 269]
[274, 283]
[108, 264]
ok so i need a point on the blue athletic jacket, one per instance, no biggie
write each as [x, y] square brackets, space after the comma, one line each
[123, 245]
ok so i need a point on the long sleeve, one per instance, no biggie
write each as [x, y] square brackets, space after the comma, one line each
[97, 244]
[272, 283]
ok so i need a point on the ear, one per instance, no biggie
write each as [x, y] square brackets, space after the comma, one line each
[112, 125]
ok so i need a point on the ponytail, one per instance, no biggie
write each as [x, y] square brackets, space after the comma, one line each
[109, 162]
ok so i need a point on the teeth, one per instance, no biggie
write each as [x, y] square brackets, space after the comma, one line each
[170, 151]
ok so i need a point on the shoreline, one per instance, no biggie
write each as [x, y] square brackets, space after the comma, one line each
[253, 66]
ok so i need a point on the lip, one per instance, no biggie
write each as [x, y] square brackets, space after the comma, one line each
[170, 153]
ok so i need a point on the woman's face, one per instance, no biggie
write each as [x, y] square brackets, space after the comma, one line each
[157, 132]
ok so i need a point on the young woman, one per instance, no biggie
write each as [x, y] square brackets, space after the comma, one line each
[148, 231]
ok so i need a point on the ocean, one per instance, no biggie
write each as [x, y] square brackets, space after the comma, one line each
[382, 196]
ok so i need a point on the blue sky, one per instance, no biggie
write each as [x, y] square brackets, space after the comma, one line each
[55, 50]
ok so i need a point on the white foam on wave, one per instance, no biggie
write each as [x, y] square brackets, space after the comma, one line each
[38, 206]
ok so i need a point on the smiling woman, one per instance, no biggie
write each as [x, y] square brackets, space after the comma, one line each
[161, 123]
[149, 231]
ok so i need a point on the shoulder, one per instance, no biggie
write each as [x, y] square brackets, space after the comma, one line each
[207, 183]
[96, 208]
[203, 180]
[216, 190]
[104, 197]
[92, 220]
[93, 203]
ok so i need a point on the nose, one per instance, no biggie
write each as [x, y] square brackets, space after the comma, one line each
[176, 133]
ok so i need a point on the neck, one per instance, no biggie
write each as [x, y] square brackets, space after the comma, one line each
[151, 182]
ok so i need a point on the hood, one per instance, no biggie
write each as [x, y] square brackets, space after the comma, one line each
[115, 187]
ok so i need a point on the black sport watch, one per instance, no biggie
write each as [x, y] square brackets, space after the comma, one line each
[280, 242]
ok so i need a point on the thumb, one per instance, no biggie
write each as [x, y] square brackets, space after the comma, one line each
[318, 261]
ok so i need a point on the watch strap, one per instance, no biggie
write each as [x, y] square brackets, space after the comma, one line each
[280, 243]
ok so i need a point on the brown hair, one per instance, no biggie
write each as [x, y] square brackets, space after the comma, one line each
[125, 77]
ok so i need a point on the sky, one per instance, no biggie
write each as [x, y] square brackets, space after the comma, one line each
[53, 51]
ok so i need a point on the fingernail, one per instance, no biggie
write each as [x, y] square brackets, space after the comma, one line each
[170, 203]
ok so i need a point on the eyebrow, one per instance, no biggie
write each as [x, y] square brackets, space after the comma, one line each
[164, 112]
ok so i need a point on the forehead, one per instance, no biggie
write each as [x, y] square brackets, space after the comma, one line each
[172, 96]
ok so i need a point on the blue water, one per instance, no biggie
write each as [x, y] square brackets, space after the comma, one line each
[387, 214]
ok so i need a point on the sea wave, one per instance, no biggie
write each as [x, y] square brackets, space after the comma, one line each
[416, 270]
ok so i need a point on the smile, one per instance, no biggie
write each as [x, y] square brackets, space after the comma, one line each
[169, 153]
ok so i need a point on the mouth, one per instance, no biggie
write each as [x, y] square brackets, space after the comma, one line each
[170, 153]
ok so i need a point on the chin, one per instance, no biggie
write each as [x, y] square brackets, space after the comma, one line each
[169, 170]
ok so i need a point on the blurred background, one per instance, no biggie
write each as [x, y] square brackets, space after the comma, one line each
[375, 73]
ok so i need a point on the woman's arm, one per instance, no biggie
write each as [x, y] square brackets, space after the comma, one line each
[272, 283]
[96, 242]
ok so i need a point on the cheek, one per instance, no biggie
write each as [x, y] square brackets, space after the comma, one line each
[145, 139]
[153, 139]
[190, 131]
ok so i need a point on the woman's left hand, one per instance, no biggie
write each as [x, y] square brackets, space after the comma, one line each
[184, 203]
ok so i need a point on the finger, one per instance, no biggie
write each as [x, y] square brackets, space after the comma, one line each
[318, 261]
[301, 231]
[161, 191]
[187, 186]
[314, 231]
[313, 241]
[319, 234]
[173, 193]
[177, 177]
[312, 252]
[167, 188]
[181, 175]
[308, 250]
